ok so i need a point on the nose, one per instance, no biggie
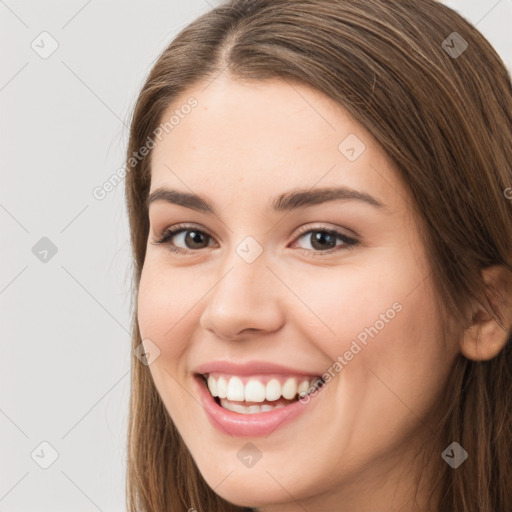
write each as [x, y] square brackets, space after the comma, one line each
[243, 300]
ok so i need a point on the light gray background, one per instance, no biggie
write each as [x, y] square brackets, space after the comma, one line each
[65, 352]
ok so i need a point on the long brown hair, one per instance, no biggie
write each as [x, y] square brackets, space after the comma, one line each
[440, 105]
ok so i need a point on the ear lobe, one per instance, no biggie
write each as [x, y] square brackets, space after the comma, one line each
[488, 332]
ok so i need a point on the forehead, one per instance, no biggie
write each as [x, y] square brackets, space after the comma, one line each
[263, 137]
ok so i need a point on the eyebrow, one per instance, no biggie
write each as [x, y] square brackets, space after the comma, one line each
[291, 200]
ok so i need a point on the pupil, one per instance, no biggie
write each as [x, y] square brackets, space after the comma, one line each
[321, 237]
[195, 237]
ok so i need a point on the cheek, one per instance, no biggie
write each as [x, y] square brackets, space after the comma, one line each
[402, 367]
[337, 308]
[162, 307]
[380, 329]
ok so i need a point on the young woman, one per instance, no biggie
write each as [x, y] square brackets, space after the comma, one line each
[320, 203]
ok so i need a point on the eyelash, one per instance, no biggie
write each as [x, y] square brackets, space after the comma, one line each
[164, 239]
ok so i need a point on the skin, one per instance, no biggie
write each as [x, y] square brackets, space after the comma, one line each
[356, 445]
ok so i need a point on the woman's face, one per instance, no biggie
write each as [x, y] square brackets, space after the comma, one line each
[280, 283]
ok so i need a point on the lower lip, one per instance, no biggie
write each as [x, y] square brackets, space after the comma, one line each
[238, 424]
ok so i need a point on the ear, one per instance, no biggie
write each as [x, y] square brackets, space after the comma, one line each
[487, 333]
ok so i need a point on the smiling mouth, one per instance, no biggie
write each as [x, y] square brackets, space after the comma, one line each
[257, 394]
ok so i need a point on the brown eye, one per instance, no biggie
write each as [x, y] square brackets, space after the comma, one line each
[192, 238]
[185, 239]
[326, 240]
[321, 240]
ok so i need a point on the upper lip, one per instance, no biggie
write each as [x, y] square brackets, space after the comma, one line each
[249, 368]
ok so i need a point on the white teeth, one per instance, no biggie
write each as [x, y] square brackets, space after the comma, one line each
[302, 389]
[248, 409]
[234, 407]
[273, 390]
[222, 387]
[289, 389]
[212, 386]
[235, 390]
[254, 390]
